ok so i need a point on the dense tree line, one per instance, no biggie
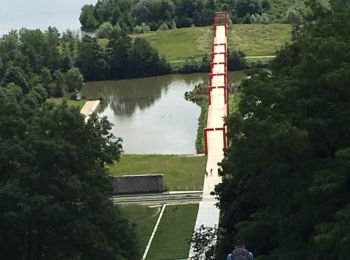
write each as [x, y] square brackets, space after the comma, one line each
[121, 59]
[286, 175]
[59, 63]
[143, 15]
[39, 62]
[54, 186]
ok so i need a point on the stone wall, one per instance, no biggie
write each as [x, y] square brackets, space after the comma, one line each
[133, 184]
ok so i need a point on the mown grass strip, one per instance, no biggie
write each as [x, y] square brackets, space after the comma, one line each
[172, 240]
[144, 218]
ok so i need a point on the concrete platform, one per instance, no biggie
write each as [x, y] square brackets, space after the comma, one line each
[89, 108]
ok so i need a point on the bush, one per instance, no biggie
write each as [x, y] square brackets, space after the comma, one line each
[294, 16]
[236, 60]
[143, 28]
[247, 19]
[163, 27]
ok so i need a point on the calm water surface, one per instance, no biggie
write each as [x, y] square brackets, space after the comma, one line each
[151, 114]
[33, 14]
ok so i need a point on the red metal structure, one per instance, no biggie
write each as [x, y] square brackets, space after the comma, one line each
[220, 19]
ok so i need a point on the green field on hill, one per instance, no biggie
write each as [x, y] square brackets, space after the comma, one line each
[180, 172]
[193, 43]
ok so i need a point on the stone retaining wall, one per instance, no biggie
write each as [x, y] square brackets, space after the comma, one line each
[133, 184]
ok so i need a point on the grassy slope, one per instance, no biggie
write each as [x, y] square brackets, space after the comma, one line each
[73, 103]
[253, 39]
[144, 218]
[259, 39]
[193, 43]
[179, 171]
[181, 44]
[172, 239]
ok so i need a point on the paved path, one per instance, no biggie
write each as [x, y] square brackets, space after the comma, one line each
[171, 198]
[208, 213]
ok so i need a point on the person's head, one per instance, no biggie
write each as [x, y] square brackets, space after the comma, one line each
[240, 244]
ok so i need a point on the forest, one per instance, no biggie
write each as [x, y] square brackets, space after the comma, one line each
[145, 15]
[286, 174]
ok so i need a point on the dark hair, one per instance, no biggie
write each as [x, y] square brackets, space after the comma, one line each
[240, 243]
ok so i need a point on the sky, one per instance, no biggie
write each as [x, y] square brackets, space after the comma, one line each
[63, 14]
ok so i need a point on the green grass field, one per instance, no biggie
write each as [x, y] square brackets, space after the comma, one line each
[72, 103]
[193, 43]
[180, 172]
[144, 218]
[172, 239]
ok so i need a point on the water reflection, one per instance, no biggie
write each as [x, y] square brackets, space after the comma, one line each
[151, 114]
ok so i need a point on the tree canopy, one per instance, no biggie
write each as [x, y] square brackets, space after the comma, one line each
[286, 175]
[54, 186]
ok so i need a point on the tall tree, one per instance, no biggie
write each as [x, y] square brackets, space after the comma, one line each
[92, 59]
[54, 186]
[286, 174]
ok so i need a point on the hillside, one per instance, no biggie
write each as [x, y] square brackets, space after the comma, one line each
[255, 40]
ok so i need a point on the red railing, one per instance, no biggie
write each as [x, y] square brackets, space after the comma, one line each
[220, 19]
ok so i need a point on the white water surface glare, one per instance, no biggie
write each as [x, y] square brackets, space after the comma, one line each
[40, 14]
[151, 115]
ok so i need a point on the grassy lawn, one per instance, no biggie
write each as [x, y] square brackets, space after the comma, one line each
[172, 239]
[179, 171]
[144, 218]
[72, 103]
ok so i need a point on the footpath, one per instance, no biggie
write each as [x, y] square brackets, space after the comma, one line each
[215, 132]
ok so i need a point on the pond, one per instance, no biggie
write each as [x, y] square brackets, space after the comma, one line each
[151, 115]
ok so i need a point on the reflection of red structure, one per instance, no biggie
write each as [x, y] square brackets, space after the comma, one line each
[218, 50]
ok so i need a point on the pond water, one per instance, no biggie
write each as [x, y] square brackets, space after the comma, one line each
[151, 115]
[33, 14]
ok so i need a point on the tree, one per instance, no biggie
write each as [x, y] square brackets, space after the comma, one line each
[92, 59]
[286, 178]
[144, 60]
[247, 7]
[56, 89]
[16, 75]
[74, 80]
[87, 18]
[54, 186]
[294, 16]
[105, 30]
[236, 60]
[117, 51]
[265, 5]
[204, 241]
